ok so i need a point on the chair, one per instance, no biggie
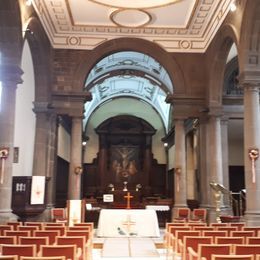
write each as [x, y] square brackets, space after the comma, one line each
[196, 224]
[86, 224]
[171, 233]
[51, 234]
[58, 214]
[80, 242]
[8, 257]
[14, 224]
[37, 241]
[19, 250]
[173, 224]
[55, 228]
[218, 225]
[229, 240]
[242, 233]
[193, 243]
[28, 228]
[17, 233]
[253, 240]
[255, 229]
[179, 236]
[77, 233]
[8, 240]
[43, 258]
[232, 257]
[182, 215]
[37, 224]
[53, 224]
[80, 228]
[198, 228]
[228, 229]
[207, 250]
[239, 225]
[69, 251]
[246, 249]
[199, 215]
[5, 227]
[214, 234]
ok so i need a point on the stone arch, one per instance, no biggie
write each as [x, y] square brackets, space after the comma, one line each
[41, 54]
[250, 42]
[219, 53]
[131, 44]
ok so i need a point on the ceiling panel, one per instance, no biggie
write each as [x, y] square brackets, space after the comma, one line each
[179, 26]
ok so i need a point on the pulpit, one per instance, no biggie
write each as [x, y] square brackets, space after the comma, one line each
[28, 196]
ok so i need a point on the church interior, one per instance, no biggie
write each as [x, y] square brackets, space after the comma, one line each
[130, 106]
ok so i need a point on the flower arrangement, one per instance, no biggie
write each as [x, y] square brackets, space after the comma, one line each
[138, 187]
[111, 186]
[253, 155]
[78, 170]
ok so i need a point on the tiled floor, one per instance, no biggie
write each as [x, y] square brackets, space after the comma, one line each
[97, 256]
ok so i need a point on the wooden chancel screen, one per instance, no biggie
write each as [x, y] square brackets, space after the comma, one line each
[125, 156]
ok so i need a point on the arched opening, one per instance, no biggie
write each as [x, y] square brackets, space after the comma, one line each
[24, 118]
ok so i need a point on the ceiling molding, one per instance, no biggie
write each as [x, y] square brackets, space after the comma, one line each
[184, 26]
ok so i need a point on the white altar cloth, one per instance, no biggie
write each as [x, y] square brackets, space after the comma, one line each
[128, 223]
[158, 207]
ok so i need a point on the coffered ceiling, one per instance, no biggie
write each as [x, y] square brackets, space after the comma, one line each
[176, 25]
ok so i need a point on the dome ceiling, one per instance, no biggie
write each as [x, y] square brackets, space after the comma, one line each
[133, 75]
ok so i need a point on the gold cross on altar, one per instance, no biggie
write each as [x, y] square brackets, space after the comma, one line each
[128, 197]
[128, 223]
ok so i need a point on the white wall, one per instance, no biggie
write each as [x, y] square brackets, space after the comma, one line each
[125, 106]
[171, 156]
[236, 153]
[24, 117]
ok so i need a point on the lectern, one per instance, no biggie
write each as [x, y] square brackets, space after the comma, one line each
[218, 190]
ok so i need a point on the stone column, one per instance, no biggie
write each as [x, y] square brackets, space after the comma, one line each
[147, 163]
[215, 152]
[190, 167]
[102, 167]
[10, 76]
[204, 158]
[45, 152]
[74, 190]
[225, 166]
[180, 189]
[252, 141]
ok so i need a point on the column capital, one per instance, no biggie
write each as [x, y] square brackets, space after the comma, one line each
[10, 74]
[249, 79]
[77, 118]
[179, 119]
[42, 107]
[224, 119]
[215, 111]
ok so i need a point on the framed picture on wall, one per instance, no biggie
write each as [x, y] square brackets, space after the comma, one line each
[125, 163]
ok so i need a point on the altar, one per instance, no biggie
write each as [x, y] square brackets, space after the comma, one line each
[128, 223]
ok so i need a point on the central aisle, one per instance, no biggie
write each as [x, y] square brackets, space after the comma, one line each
[129, 247]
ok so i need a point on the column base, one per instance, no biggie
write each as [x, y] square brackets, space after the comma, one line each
[252, 218]
[212, 216]
[7, 215]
